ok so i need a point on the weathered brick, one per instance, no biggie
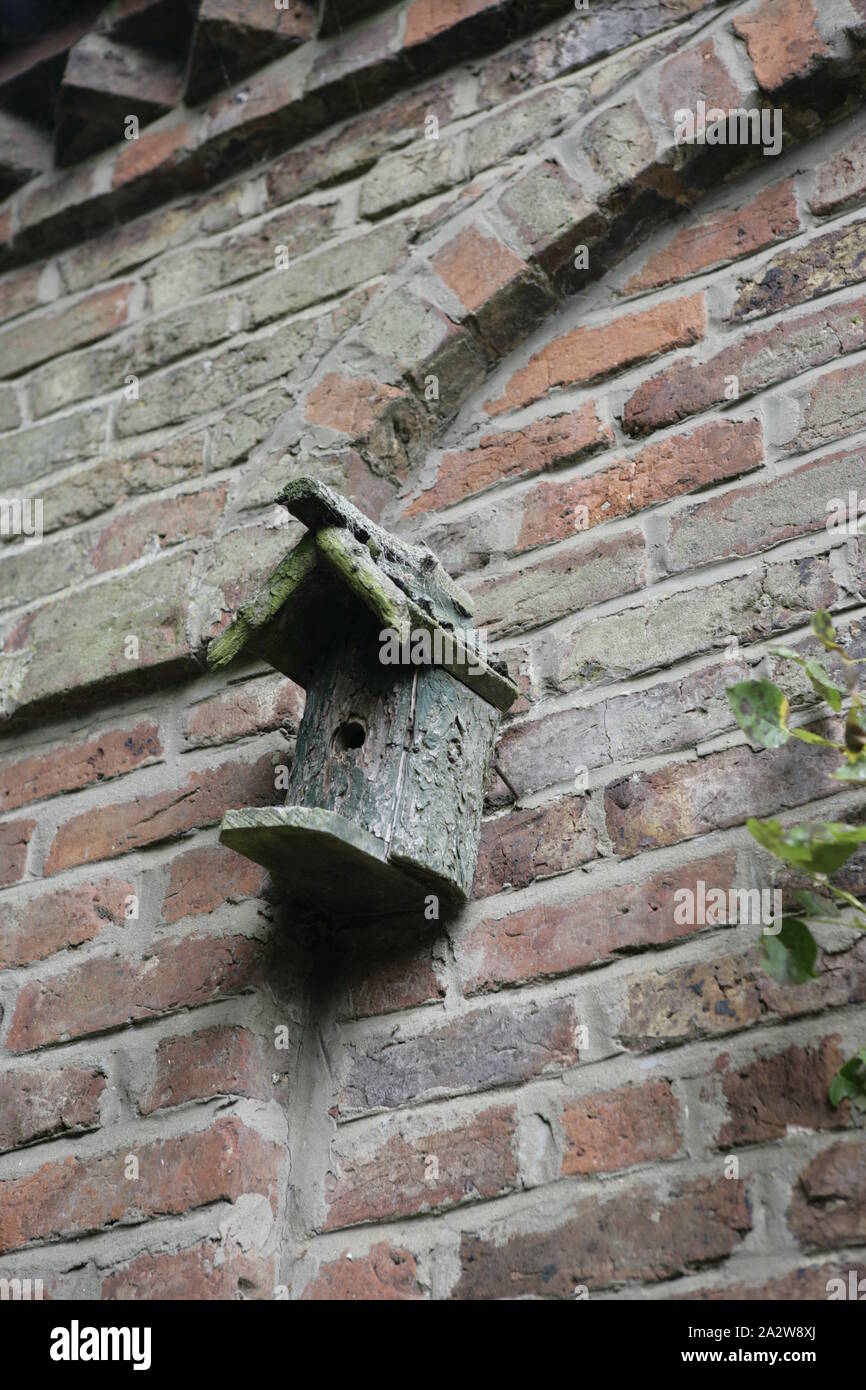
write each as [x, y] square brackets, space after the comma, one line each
[14, 842]
[709, 999]
[633, 1236]
[218, 1270]
[386, 1274]
[218, 1061]
[829, 408]
[619, 646]
[350, 405]
[828, 262]
[809, 1284]
[719, 237]
[783, 41]
[232, 38]
[39, 449]
[584, 575]
[697, 73]
[672, 715]
[42, 1105]
[751, 519]
[19, 291]
[840, 181]
[408, 1173]
[550, 939]
[60, 330]
[154, 155]
[529, 844]
[78, 643]
[496, 287]
[829, 1205]
[765, 1098]
[102, 485]
[609, 1130]
[409, 176]
[253, 708]
[78, 765]
[154, 526]
[513, 129]
[685, 463]
[756, 361]
[53, 921]
[79, 1195]
[649, 809]
[206, 878]
[380, 970]
[589, 354]
[498, 458]
[202, 800]
[550, 216]
[112, 991]
[474, 1052]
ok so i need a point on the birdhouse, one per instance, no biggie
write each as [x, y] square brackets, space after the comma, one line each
[402, 704]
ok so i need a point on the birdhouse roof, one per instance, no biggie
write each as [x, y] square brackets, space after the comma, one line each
[347, 559]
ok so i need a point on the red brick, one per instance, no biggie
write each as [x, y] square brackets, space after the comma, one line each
[396, 1178]
[66, 917]
[728, 994]
[213, 1270]
[201, 801]
[387, 1274]
[155, 525]
[759, 360]
[206, 878]
[76, 766]
[253, 708]
[767, 1097]
[494, 285]
[783, 41]
[550, 939]
[60, 330]
[387, 969]
[14, 841]
[19, 292]
[426, 19]
[697, 73]
[525, 845]
[719, 237]
[499, 458]
[633, 1236]
[651, 809]
[350, 404]
[712, 453]
[840, 181]
[153, 153]
[218, 1061]
[588, 354]
[41, 1105]
[808, 1284]
[79, 1195]
[112, 991]
[829, 1205]
[610, 1130]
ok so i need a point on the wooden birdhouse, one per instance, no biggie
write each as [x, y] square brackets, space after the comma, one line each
[386, 791]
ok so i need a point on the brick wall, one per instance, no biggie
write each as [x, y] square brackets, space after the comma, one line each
[202, 1096]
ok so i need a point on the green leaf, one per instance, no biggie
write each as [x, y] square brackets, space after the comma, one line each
[852, 772]
[821, 847]
[790, 956]
[822, 626]
[761, 710]
[849, 1083]
[807, 736]
[814, 905]
[824, 685]
[789, 654]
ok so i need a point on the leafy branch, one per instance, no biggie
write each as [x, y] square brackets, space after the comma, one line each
[816, 849]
